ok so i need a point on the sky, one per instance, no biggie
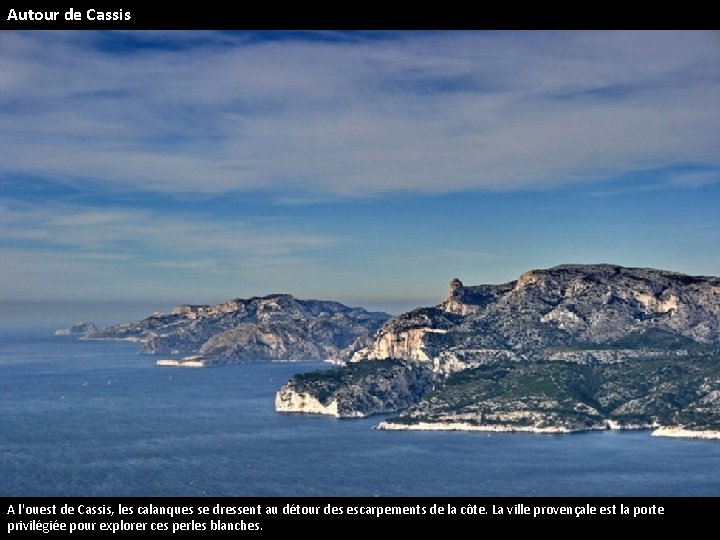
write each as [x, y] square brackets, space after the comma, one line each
[365, 167]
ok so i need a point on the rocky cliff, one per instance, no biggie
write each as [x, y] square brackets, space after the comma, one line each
[357, 390]
[274, 327]
[570, 348]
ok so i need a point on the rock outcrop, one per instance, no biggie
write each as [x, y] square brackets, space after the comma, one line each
[79, 329]
[357, 390]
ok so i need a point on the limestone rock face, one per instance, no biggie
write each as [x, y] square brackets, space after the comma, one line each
[356, 390]
[289, 400]
[407, 344]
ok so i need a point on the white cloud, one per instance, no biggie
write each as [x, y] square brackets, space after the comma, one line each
[83, 230]
[421, 112]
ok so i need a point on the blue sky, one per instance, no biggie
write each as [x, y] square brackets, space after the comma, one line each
[371, 168]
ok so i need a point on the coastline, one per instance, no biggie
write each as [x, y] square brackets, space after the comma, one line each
[464, 426]
[677, 432]
[680, 432]
[189, 362]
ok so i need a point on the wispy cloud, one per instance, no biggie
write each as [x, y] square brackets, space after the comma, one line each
[409, 112]
[72, 250]
[84, 230]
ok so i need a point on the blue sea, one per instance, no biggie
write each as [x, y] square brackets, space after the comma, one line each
[88, 418]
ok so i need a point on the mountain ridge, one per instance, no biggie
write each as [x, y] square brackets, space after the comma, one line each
[646, 340]
[567, 305]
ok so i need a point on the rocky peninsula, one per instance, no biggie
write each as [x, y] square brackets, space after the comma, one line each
[274, 327]
[570, 348]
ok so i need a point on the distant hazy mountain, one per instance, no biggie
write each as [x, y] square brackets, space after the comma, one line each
[79, 329]
[274, 327]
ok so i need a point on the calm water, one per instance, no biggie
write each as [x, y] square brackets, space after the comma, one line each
[94, 418]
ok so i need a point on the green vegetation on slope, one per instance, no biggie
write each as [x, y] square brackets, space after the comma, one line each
[652, 338]
[365, 388]
[669, 391]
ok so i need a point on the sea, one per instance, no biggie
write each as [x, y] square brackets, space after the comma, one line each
[95, 418]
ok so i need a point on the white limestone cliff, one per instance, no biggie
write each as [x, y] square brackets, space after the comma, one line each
[684, 433]
[288, 400]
